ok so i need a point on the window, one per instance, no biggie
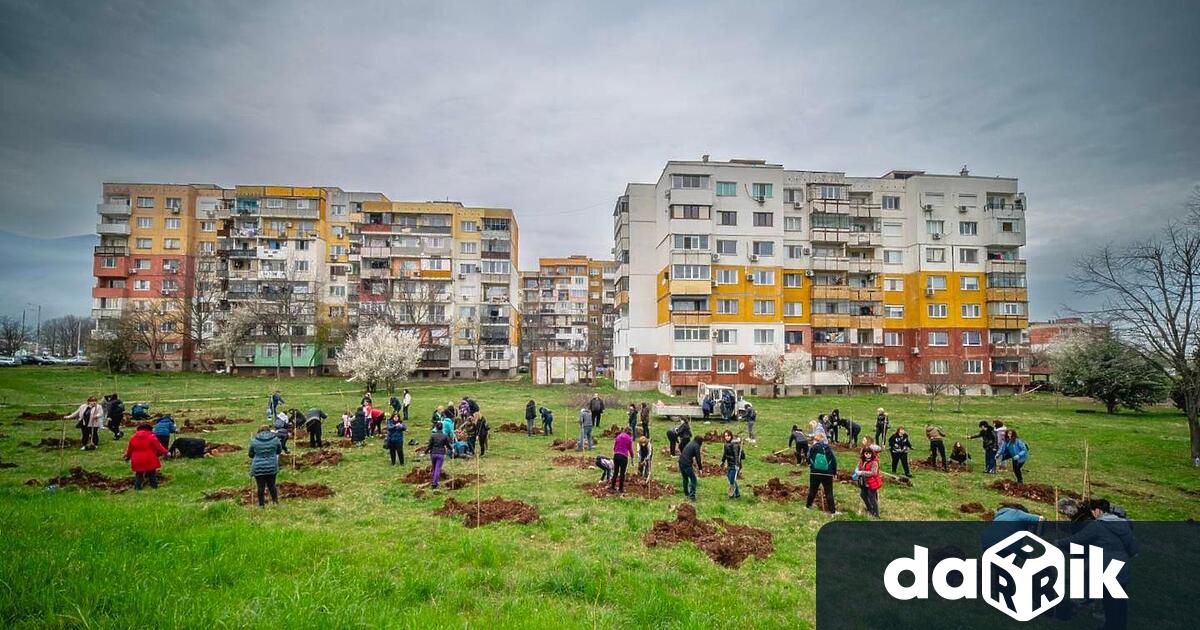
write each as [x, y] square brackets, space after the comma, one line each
[936, 283]
[968, 256]
[794, 195]
[170, 243]
[935, 199]
[108, 262]
[893, 311]
[937, 310]
[1012, 308]
[337, 290]
[727, 366]
[144, 243]
[145, 202]
[939, 366]
[939, 338]
[893, 256]
[764, 219]
[174, 203]
[893, 339]
[969, 283]
[935, 227]
[691, 333]
[793, 224]
[167, 326]
[468, 247]
[208, 226]
[894, 366]
[274, 203]
[691, 364]
[935, 254]
[794, 251]
[764, 336]
[141, 263]
[971, 310]
[891, 228]
[891, 202]
[691, 241]
[689, 181]
[973, 366]
[762, 277]
[726, 217]
[300, 265]
[726, 189]
[968, 228]
[893, 284]
[764, 307]
[727, 307]
[793, 309]
[172, 224]
[145, 223]
[690, 272]
[689, 212]
[764, 248]
[727, 276]
[141, 285]
[1010, 226]
[793, 337]
[726, 335]
[468, 226]
[337, 210]
[726, 247]
[761, 191]
[831, 192]
[792, 280]
[972, 338]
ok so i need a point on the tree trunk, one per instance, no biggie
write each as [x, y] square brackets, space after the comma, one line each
[1111, 406]
[931, 403]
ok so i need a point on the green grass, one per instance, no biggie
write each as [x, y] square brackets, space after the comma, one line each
[375, 555]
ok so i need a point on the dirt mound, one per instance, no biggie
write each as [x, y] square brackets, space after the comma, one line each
[1032, 491]
[923, 464]
[346, 443]
[217, 420]
[780, 458]
[53, 443]
[220, 449]
[710, 470]
[512, 427]
[318, 458]
[634, 486]
[972, 508]
[423, 475]
[88, 480]
[287, 490]
[568, 444]
[462, 481]
[612, 431]
[190, 428]
[32, 483]
[40, 415]
[727, 544]
[776, 490]
[489, 511]
[575, 461]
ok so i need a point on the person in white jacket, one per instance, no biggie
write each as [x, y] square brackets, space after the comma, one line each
[91, 417]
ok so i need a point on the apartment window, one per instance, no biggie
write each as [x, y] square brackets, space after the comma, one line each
[764, 336]
[166, 326]
[972, 338]
[891, 228]
[935, 227]
[969, 283]
[300, 245]
[793, 309]
[145, 202]
[174, 203]
[726, 246]
[337, 210]
[831, 192]
[726, 189]
[172, 224]
[108, 262]
[1010, 226]
[468, 226]
[894, 366]
[691, 333]
[207, 247]
[764, 248]
[337, 290]
[893, 256]
[973, 366]
[145, 223]
[968, 228]
[691, 364]
[691, 241]
[727, 366]
[761, 191]
[935, 254]
[338, 231]
[208, 226]
[689, 212]
[793, 337]
[690, 272]
[300, 265]
[893, 284]
[764, 307]
[689, 181]
[793, 224]
[493, 266]
[761, 277]
[726, 335]
[939, 338]
[936, 283]
[170, 243]
[468, 247]
[727, 307]
[937, 310]
[336, 311]
[971, 310]
[794, 251]
[764, 219]
[465, 268]
[1012, 308]
[893, 339]
[939, 366]
[727, 276]
[893, 311]
[792, 280]
[144, 243]
[726, 217]
[141, 263]
[891, 202]
[968, 256]
[935, 199]
[141, 285]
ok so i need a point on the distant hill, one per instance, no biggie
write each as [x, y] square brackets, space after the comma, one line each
[55, 273]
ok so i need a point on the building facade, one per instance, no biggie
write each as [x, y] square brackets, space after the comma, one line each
[897, 283]
[568, 307]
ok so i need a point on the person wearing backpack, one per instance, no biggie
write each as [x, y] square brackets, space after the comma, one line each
[869, 478]
[732, 459]
[822, 470]
[1016, 450]
[899, 445]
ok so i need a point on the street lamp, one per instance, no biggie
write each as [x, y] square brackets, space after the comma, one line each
[37, 338]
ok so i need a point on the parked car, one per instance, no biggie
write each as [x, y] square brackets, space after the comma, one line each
[78, 359]
[9, 361]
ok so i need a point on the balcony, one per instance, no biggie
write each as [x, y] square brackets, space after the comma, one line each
[1015, 265]
[690, 287]
[864, 294]
[114, 229]
[106, 313]
[832, 320]
[110, 250]
[489, 235]
[831, 263]
[265, 274]
[866, 321]
[119, 270]
[865, 239]
[866, 210]
[1007, 295]
[691, 196]
[1009, 378]
[495, 278]
[830, 292]
[377, 251]
[290, 213]
[830, 206]
[375, 274]
[267, 253]
[1008, 321]
[495, 255]
[238, 253]
[113, 209]
[1015, 239]
[691, 319]
[865, 265]
[1010, 350]
[426, 229]
[829, 235]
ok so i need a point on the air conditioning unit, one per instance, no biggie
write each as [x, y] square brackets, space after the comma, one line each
[716, 257]
[937, 236]
[807, 251]
[798, 205]
[760, 199]
[166, 292]
[883, 360]
[916, 350]
[210, 213]
[753, 257]
[962, 209]
[289, 226]
[714, 284]
[133, 271]
[927, 207]
[174, 210]
[462, 276]
[749, 279]
[929, 291]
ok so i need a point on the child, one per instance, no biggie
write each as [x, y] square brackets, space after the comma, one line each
[959, 454]
[605, 464]
[343, 429]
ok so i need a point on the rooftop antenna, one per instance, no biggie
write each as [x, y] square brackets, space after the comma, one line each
[704, 158]
[964, 172]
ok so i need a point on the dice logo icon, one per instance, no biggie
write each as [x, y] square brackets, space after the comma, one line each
[1023, 576]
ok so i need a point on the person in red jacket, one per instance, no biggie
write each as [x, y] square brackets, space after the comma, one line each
[142, 453]
[869, 478]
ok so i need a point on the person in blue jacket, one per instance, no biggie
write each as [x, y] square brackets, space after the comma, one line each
[264, 462]
[163, 428]
[276, 401]
[706, 406]
[1016, 450]
[547, 421]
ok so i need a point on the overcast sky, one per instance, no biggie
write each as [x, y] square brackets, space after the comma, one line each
[551, 109]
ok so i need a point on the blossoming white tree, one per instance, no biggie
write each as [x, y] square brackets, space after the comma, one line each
[378, 354]
[776, 367]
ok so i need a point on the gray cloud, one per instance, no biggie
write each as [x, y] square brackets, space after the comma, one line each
[550, 109]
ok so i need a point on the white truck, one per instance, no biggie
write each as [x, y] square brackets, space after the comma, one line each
[678, 411]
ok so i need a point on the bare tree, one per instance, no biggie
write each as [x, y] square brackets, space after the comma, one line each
[198, 311]
[150, 328]
[959, 384]
[113, 348]
[12, 335]
[1149, 292]
[935, 379]
[236, 330]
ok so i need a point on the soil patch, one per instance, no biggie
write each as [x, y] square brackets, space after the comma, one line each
[709, 471]
[489, 511]
[53, 443]
[318, 458]
[88, 480]
[634, 487]
[923, 464]
[221, 449]
[972, 508]
[1032, 491]
[287, 490]
[568, 444]
[776, 490]
[462, 481]
[575, 461]
[727, 544]
[780, 458]
[420, 475]
[612, 431]
[40, 415]
[217, 420]
[512, 427]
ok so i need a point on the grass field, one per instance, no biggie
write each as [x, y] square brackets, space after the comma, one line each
[375, 555]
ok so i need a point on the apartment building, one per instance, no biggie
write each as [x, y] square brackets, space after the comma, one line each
[568, 306]
[446, 270]
[892, 283]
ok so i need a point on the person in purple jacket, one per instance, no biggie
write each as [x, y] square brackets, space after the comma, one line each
[622, 452]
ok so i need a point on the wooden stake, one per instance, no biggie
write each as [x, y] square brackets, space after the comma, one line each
[1087, 483]
[1056, 502]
